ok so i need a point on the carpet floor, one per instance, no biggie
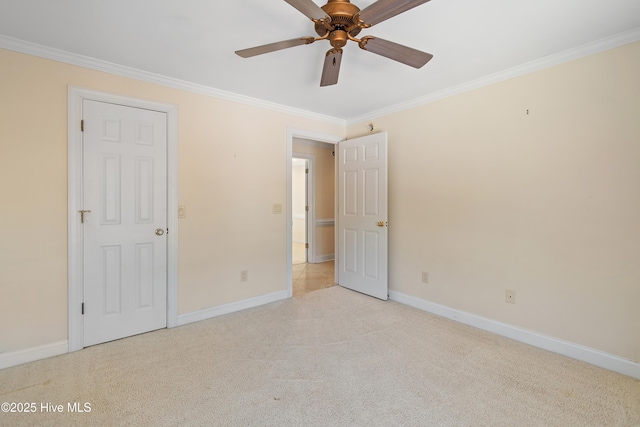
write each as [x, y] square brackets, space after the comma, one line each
[331, 357]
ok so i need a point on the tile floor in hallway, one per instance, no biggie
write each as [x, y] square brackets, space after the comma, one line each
[311, 277]
[299, 253]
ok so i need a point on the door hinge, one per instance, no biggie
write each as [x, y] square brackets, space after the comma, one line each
[306, 246]
[82, 308]
[306, 170]
[81, 125]
[306, 208]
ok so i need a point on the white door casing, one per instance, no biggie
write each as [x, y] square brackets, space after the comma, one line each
[307, 241]
[143, 251]
[310, 214]
[362, 215]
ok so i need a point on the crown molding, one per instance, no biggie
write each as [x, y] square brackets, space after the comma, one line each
[41, 51]
[587, 49]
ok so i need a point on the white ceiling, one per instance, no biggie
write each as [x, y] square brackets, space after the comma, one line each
[195, 40]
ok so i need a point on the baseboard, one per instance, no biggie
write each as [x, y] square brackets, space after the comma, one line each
[208, 313]
[20, 357]
[565, 348]
[16, 358]
[323, 258]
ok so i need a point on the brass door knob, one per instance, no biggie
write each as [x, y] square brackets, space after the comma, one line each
[380, 223]
[159, 231]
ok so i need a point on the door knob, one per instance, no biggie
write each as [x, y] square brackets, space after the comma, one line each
[159, 231]
[380, 223]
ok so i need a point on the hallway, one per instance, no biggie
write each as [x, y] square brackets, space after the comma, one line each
[311, 277]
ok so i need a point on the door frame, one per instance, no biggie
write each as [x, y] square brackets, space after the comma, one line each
[310, 215]
[311, 135]
[76, 96]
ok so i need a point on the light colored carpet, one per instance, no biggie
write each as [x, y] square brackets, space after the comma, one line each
[326, 358]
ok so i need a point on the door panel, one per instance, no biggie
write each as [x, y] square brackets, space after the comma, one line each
[125, 200]
[371, 254]
[112, 280]
[362, 215]
[371, 190]
[350, 201]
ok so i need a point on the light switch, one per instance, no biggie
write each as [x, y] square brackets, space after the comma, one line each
[277, 208]
[182, 212]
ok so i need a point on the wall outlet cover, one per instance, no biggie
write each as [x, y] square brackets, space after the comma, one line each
[510, 296]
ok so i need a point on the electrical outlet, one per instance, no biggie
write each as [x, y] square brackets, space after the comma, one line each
[244, 275]
[425, 277]
[510, 296]
[277, 208]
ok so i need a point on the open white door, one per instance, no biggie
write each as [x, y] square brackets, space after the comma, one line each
[362, 215]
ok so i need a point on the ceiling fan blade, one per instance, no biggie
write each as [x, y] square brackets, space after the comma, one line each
[331, 67]
[272, 47]
[308, 8]
[385, 9]
[409, 56]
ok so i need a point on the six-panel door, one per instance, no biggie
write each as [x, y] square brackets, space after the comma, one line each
[125, 220]
[362, 215]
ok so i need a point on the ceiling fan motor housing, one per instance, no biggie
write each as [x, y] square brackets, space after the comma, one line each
[338, 38]
[341, 13]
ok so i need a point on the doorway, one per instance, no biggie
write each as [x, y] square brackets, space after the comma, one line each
[313, 215]
[77, 211]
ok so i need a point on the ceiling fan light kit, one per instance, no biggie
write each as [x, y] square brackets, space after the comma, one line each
[340, 21]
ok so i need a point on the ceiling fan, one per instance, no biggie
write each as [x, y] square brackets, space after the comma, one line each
[340, 21]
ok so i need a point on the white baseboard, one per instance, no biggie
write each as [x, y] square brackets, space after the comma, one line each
[220, 310]
[323, 258]
[565, 348]
[16, 358]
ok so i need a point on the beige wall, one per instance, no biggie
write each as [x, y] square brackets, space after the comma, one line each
[229, 225]
[482, 196]
[486, 197]
[324, 194]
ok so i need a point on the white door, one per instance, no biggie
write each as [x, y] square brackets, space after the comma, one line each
[125, 221]
[362, 215]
